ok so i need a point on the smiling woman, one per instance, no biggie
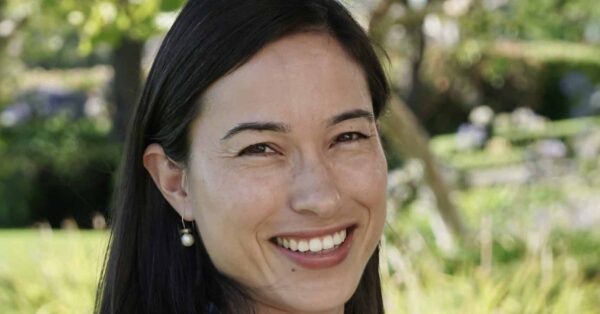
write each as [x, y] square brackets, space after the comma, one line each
[256, 135]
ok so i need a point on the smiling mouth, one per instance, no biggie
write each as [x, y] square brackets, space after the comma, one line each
[315, 245]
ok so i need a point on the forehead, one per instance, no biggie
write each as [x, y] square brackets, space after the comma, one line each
[302, 75]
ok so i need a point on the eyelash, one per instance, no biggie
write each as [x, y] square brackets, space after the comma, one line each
[355, 136]
[263, 147]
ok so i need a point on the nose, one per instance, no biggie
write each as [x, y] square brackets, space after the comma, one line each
[314, 189]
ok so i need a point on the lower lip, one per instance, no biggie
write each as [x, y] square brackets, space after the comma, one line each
[320, 260]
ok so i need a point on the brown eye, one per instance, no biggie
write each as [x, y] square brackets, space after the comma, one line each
[257, 149]
[350, 137]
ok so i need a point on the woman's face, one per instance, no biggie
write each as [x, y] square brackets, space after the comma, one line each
[286, 153]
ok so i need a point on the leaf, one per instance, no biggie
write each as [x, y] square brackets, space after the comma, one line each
[171, 5]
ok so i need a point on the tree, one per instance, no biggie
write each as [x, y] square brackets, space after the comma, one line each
[124, 26]
[12, 19]
[400, 126]
[449, 56]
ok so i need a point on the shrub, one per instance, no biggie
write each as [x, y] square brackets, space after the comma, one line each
[55, 168]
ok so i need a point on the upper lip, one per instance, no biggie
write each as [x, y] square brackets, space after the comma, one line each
[316, 232]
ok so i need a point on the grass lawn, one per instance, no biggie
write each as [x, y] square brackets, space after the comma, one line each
[49, 272]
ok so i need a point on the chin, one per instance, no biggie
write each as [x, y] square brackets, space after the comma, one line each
[324, 297]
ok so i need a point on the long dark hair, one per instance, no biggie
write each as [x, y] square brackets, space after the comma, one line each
[147, 270]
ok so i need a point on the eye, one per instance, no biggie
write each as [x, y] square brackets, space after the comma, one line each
[257, 149]
[350, 137]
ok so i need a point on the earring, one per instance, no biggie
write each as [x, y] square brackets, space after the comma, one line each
[187, 239]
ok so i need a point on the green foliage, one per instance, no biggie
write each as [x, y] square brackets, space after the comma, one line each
[445, 146]
[530, 250]
[538, 263]
[531, 20]
[562, 129]
[56, 33]
[13, 19]
[508, 54]
[110, 21]
[47, 164]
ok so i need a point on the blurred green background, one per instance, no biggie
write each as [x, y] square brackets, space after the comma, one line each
[494, 209]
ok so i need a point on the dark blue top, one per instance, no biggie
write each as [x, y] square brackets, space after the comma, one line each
[212, 309]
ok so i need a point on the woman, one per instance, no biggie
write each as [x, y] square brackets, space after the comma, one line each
[253, 179]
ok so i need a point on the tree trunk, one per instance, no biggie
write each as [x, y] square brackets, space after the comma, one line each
[401, 127]
[414, 95]
[403, 131]
[126, 63]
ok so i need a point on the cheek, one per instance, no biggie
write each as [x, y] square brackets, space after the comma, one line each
[230, 208]
[365, 174]
[234, 196]
[364, 178]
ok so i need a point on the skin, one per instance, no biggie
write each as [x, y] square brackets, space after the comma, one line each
[242, 190]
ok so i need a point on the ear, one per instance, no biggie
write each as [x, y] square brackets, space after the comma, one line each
[169, 178]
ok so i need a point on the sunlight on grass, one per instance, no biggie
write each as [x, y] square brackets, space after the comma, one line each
[49, 271]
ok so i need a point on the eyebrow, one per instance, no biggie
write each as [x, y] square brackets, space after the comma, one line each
[257, 126]
[352, 114]
[284, 128]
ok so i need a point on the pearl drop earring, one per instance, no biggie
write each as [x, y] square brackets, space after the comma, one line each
[187, 239]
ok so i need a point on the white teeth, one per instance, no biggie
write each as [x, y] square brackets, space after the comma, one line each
[315, 244]
[327, 242]
[302, 246]
[337, 239]
[293, 245]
